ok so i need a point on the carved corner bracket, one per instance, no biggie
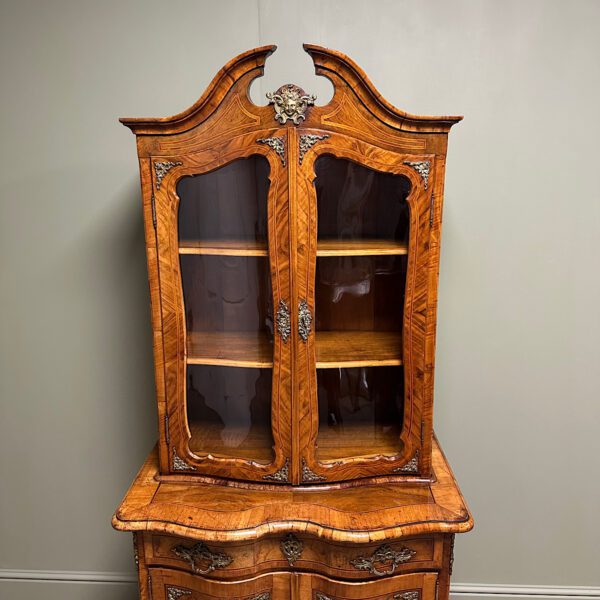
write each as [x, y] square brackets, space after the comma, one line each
[290, 103]
[412, 595]
[277, 144]
[161, 168]
[201, 552]
[179, 464]
[422, 168]
[308, 475]
[173, 593]
[281, 476]
[291, 548]
[307, 141]
[411, 467]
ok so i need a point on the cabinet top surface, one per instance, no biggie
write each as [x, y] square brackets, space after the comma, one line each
[229, 513]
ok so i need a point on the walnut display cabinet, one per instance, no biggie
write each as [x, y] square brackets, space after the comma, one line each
[293, 253]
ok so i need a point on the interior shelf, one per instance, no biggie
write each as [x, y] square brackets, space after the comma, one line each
[345, 349]
[324, 247]
[363, 247]
[230, 349]
[357, 440]
[334, 349]
[224, 247]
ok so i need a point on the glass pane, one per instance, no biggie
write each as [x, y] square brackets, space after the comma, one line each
[228, 303]
[227, 204]
[229, 411]
[356, 203]
[360, 411]
[362, 249]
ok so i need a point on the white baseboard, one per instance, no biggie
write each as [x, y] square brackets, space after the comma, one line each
[523, 591]
[458, 590]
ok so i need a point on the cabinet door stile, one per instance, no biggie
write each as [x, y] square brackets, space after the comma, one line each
[356, 340]
[201, 275]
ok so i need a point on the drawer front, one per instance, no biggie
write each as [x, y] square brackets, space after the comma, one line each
[413, 586]
[167, 584]
[298, 553]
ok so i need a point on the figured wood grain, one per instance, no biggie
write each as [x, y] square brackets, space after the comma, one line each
[252, 558]
[232, 513]
[358, 124]
[422, 583]
[233, 349]
[351, 349]
[352, 502]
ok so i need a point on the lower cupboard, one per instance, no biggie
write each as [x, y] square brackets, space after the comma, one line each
[169, 584]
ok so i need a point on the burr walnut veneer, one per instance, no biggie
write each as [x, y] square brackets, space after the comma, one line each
[293, 253]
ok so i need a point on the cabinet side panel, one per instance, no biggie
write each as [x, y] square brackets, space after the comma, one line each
[436, 200]
[155, 309]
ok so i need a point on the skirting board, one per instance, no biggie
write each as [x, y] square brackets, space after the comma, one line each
[70, 585]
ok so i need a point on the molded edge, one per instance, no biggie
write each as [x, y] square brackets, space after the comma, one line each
[363, 87]
[222, 82]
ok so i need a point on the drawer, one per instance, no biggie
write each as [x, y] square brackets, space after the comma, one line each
[413, 586]
[167, 584]
[295, 552]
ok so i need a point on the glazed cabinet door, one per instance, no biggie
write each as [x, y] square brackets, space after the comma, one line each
[414, 586]
[168, 584]
[362, 258]
[223, 259]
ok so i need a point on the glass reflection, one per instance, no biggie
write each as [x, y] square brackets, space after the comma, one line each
[229, 411]
[360, 411]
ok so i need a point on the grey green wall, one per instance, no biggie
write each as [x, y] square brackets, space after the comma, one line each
[517, 386]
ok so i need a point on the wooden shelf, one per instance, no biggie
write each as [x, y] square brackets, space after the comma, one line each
[224, 247]
[346, 349]
[324, 247]
[334, 349]
[230, 349]
[232, 442]
[367, 247]
[357, 439]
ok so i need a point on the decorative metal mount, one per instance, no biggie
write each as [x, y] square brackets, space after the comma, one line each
[136, 554]
[304, 320]
[308, 475]
[179, 464]
[307, 141]
[201, 552]
[281, 476]
[277, 144]
[162, 168]
[173, 593]
[412, 595]
[422, 168]
[451, 566]
[322, 596]
[284, 325]
[382, 556]
[291, 548]
[290, 103]
[263, 596]
[412, 466]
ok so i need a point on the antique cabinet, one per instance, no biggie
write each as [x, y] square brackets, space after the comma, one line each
[293, 253]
